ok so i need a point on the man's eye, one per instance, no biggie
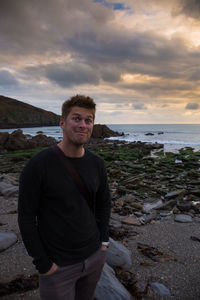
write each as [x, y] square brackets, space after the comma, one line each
[88, 121]
[76, 118]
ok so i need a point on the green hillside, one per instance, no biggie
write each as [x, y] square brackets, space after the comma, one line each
[14, 113]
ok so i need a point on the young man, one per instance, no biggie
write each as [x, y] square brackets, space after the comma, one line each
[66, 239]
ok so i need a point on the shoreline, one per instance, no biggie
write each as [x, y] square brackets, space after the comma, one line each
[171, 137]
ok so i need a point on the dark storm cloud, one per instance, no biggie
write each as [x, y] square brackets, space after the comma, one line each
[7, 79]
[159, 88]
[110, 74]
[36, 27]
[97, 48]
[194, 74]
[82, 29]
[192, 106]
[145, 53]
[190, 8]
[72, 74]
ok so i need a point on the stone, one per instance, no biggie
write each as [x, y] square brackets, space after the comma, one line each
[184, 206]
[175, 194]
[16, 140]
[147, 207]
[7, 239]
[131, 221]
[162, 290]
[109, 287]
[135, 205]
[102, 131]
[3, 138]
[41, 140]
[148, 218]
[7, 190]
[195, 192]
[183, 219]
[118, 255]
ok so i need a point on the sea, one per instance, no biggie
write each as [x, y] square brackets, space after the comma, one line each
[172, 136]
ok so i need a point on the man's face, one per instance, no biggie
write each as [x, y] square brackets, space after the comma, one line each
[78, 125]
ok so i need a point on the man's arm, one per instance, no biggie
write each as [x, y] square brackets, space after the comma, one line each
[30, 188]
[103, 207]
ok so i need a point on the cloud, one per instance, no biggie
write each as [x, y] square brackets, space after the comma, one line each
[72, 74]
[7, 79]
[39, 27]
[192, 106]
[135, 53]
[190, 8]
[139, 106]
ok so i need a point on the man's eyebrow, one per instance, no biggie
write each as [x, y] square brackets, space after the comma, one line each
[77, 114]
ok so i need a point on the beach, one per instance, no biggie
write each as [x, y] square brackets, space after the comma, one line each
[152, 192]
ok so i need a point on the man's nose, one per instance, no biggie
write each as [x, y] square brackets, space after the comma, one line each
[82, 123]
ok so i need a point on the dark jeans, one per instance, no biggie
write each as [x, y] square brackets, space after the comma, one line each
[73, 282]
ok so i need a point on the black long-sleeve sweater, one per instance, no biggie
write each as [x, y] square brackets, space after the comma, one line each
[55, 220]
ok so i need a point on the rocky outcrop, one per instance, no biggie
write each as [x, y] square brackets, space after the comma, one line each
[102, 131]
[16, 114]
[17, 140]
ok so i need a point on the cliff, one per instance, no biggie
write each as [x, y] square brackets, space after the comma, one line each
[17, 114]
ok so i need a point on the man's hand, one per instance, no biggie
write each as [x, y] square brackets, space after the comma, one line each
[54, 267]
[104, 248]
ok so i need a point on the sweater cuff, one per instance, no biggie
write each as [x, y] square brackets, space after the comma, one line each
[43, 266]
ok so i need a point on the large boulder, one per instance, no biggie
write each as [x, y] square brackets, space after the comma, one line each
[102, 131]
[118, 255]
[109, 287]
[3, 139]
[41, 140]
[16, 141]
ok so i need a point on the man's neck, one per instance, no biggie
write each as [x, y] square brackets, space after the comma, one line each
[72, 150]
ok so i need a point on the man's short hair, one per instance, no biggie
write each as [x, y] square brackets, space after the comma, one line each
[78, 100]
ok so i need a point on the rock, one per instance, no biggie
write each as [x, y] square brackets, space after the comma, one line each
[160, 289]
[147, 207]
[109, 287]
[137, 206]
[174, 194]
[41, 140]
[3, 139]
[7, 190]
[102, 131]
[131, 221]
[195, 192]
[183, 219]
[7, 239]
[148, 218]
[184, 206]
[169, 204]
[16, 140]
[149, 133]
[118, 255]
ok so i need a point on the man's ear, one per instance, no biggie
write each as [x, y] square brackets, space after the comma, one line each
[61, 123]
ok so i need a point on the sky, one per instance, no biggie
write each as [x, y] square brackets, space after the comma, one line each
[139, 60]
